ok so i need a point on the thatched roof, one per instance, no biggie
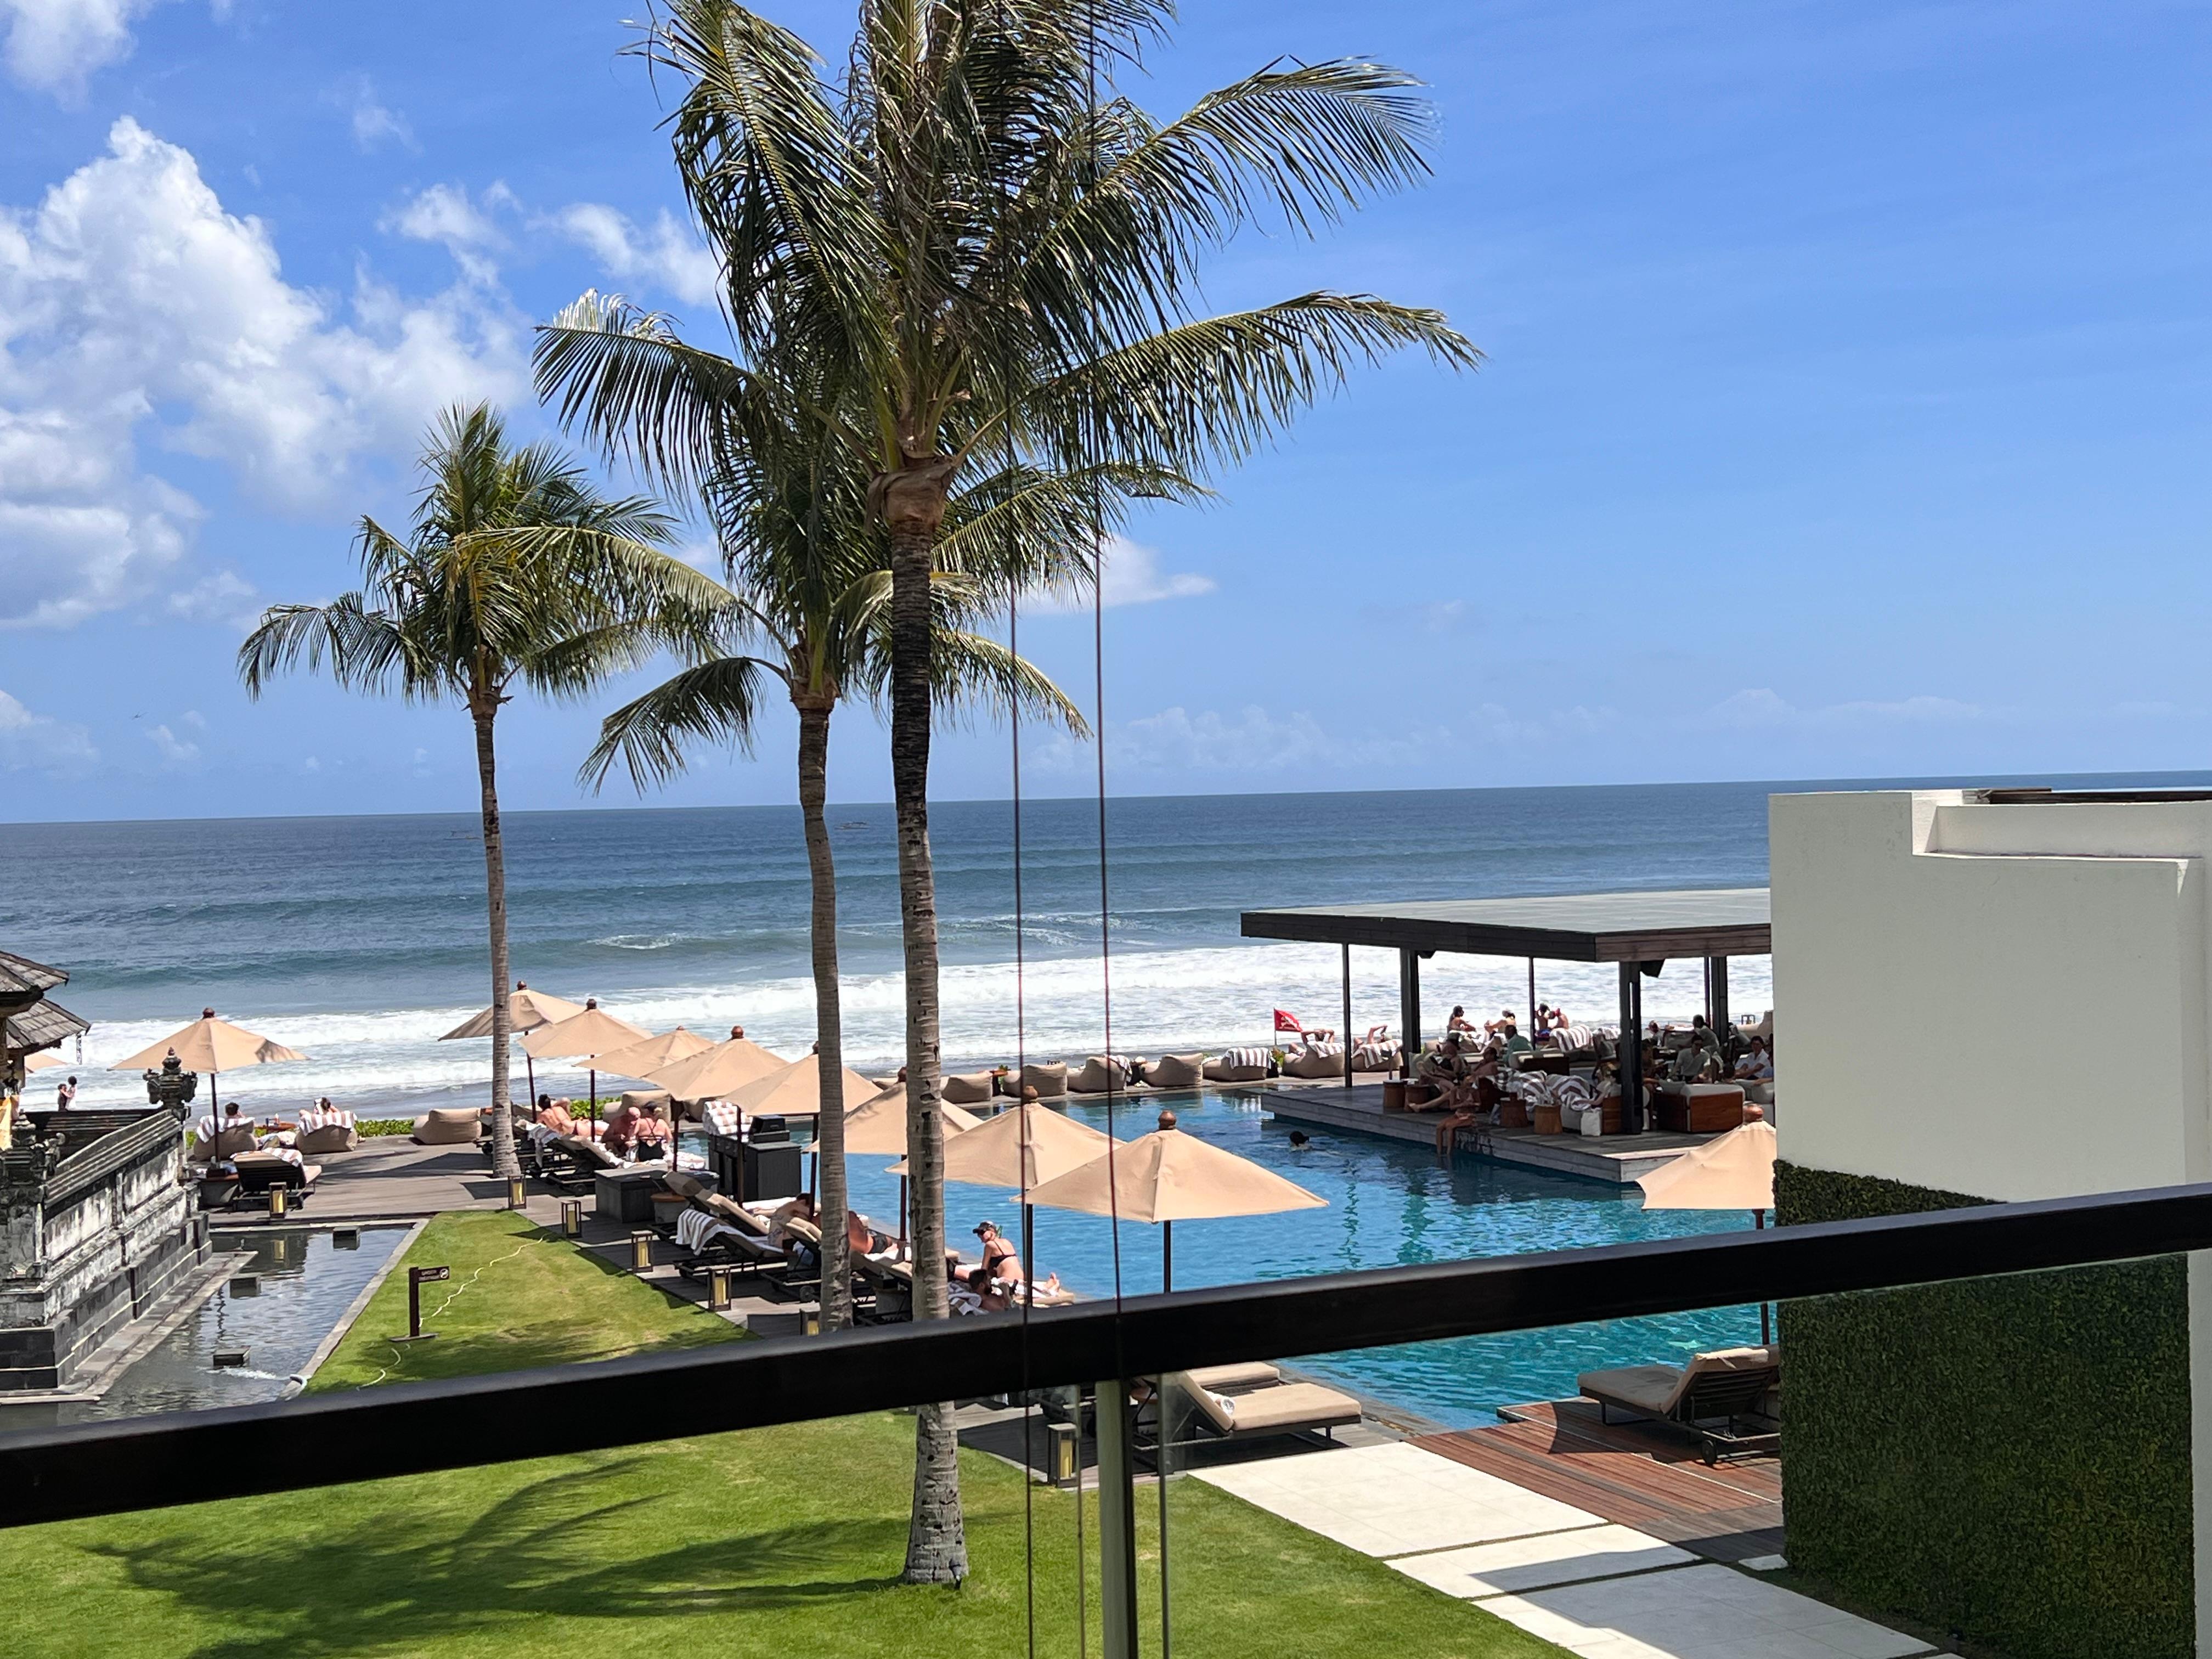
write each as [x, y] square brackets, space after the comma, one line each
[42, 1025]
[21, 973]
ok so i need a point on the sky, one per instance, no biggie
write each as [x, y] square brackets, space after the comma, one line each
[1844, 407]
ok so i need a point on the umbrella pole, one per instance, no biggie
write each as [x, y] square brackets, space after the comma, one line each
[902, 1243]
[1028, 1254]
[1167, 1256]
[593, 1074]
[530, 1070]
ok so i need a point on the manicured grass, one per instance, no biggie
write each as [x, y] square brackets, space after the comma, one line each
[520, 1295]
[780, 1541]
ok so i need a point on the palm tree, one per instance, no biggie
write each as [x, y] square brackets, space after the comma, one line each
[1001, 257]
[809, 611]
[516, 572]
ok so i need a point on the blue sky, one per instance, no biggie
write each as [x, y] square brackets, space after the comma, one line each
[1846, 412]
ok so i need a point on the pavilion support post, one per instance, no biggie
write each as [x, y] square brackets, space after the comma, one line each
[1347, 1017]
[1529, 1014]
[1717, 1000]
[1409, 1008]
[1632, 1045]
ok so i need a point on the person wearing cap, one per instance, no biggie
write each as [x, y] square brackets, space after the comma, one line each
[1000, 1259]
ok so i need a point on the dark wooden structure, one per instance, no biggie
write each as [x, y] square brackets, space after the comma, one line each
[1640, 931]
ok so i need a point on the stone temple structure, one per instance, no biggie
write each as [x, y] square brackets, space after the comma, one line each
[96, 1222]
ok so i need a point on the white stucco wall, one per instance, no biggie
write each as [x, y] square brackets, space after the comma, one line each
[2006, 1001]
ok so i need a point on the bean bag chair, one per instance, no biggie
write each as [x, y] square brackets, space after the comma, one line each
[967, 1088]
[1098, 1075]
[1318, 1059]
[330, 1138]
[1049, 1081]
[448, 1125]
[1175, 1070]
[1238, 1065]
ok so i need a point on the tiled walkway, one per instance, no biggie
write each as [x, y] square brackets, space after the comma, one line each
[1595, 1588]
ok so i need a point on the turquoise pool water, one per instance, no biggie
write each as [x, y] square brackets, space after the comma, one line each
[1388, 1203]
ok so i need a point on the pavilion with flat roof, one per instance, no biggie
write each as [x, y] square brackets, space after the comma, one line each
[1640, 931]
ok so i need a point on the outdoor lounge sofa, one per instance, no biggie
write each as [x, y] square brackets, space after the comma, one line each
[1716, 1399]
[1699, 1108]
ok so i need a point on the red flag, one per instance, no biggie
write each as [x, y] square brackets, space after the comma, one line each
[1287, 1021]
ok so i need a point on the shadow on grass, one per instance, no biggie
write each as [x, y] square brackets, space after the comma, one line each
[412, 1580]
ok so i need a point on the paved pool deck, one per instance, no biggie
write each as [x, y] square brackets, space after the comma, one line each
[1594, 1587]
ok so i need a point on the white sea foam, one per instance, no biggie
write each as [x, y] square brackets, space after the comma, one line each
[1162, 1001]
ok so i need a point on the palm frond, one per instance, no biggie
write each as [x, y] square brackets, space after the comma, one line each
[714, 701]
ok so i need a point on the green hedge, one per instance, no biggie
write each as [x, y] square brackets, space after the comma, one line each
[2007, 1459]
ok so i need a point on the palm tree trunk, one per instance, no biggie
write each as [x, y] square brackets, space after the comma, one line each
[484, 709]
[936, 1546]
[828, 1028]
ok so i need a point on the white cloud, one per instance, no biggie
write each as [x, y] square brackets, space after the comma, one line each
[31, 742]
[225, 598]
[132, 305]
[445, 214]
[375, 124]
[668, 255]
[1761, 709]
[54, 44]
[173, 750]
[1131, 574]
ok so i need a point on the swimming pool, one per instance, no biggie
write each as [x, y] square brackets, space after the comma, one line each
[303, 1281]
[1388, 1203]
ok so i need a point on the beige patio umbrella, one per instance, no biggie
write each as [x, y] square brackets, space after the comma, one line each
[794, 1090]
[1031, 1141]
[1169, 1176]
[46, 1057]
[214, 1046]
[585, 1036]
[716, 1073]
[526, 1010]
[877, 1128]
[641, 1059]
[1734, 1171]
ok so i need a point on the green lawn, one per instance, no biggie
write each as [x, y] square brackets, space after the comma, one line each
[780, 1541]
[520, 1295]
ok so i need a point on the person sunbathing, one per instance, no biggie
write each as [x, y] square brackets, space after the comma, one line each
[1000, 1259]
[862, 1239]
[1459, 1022]
[620, 1135]
[1445, 1070]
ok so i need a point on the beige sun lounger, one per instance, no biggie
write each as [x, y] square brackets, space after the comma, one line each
[1724, 1387]
[1281, 1408]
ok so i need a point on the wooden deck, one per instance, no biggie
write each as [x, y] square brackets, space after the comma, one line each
[1635, 1474]
[1614, 1159]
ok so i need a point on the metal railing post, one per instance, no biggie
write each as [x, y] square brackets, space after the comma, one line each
[1117, 1521]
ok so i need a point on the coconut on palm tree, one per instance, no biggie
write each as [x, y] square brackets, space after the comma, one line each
[516, 574]
[1000, 255]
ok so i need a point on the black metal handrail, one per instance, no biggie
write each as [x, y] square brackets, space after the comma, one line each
[147, 1463]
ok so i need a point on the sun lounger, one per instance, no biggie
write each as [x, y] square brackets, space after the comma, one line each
[1262, 1412]
[1236, 1379]
[569, 1162]
[1049, 1081]
[258, 1171]
[1714, 1398]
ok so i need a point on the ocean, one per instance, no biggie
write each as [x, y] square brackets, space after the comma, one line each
[359, 940]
